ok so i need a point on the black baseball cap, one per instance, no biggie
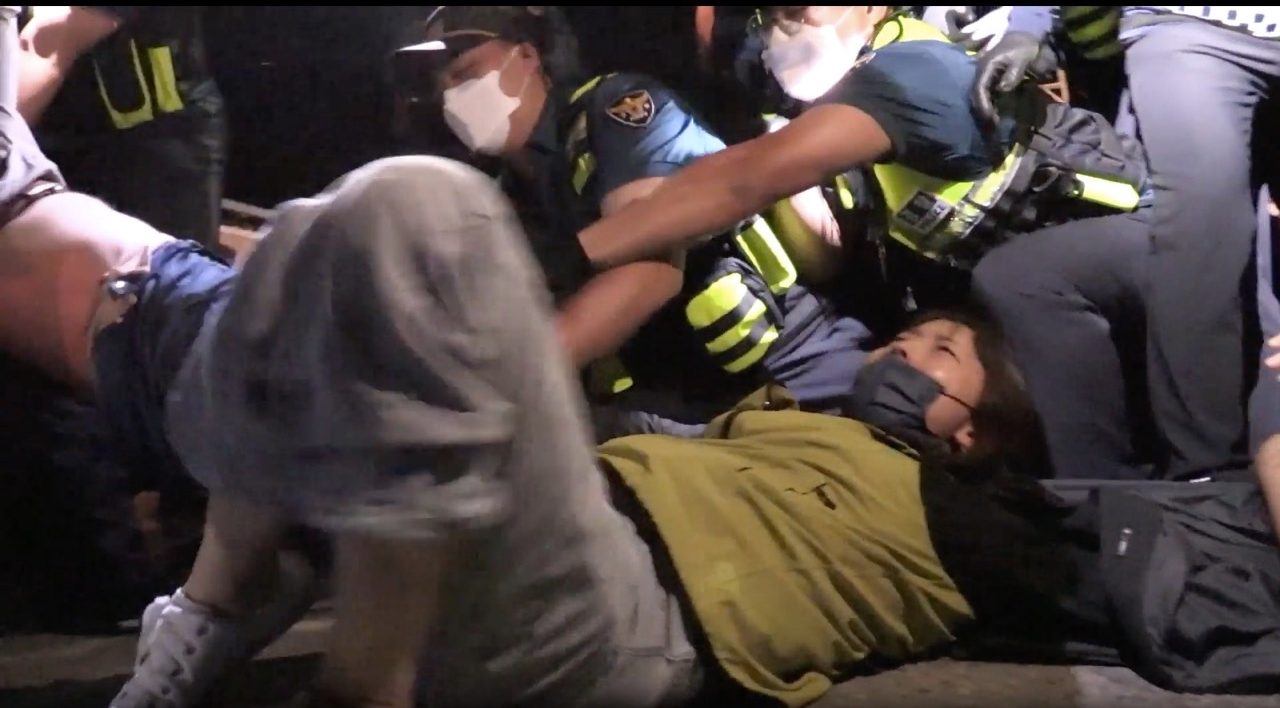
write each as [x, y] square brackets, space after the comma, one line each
[453, 29]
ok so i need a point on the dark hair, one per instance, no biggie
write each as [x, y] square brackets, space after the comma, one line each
[549, 32]
[996, 529]
[1007, 431]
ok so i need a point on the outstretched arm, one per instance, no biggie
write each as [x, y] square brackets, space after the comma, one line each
[613, 305]
[48, 47]
[721, 189]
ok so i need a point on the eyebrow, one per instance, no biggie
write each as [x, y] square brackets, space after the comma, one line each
[948, 340]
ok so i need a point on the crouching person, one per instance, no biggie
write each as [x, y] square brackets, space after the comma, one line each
[387, 369]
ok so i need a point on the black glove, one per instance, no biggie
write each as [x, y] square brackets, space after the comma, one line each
[957, 20]
[1004, 66]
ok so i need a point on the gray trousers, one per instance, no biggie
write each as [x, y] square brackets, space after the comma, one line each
[458, 416]
[1196, 88]
[1070, 300]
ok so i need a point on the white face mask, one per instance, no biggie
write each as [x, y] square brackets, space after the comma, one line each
[811, 61]
[479, 112]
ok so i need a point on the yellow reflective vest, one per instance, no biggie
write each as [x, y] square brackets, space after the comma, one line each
[931, 215]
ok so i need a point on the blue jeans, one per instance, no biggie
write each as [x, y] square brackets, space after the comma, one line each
[137, 358]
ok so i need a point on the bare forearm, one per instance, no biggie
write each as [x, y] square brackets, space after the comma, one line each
[1267, 463]
[810, 233]
[698, 201]
[39, 79]
[612, 307]
[50, 45]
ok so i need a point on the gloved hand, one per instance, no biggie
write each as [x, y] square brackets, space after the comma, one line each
[1001, 68]
[978, 34]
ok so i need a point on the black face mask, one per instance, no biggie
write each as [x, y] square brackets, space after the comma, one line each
[893, 395]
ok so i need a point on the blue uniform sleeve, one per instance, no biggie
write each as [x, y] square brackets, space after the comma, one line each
[1033, 19]
[918, 92]
[637, 129]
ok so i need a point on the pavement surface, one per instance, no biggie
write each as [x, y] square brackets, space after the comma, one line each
[57, 671]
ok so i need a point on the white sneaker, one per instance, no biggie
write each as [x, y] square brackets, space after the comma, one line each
[200, 647]
[184, 651]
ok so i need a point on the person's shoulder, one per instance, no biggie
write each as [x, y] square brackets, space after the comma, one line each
[924, 54]
[915, 74]
[629, 99]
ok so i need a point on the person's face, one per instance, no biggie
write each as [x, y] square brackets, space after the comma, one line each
[810, 48]
[850, 21]
[519, 76]
[945, 352]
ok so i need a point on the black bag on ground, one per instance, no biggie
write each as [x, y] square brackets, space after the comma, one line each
[1193, 575]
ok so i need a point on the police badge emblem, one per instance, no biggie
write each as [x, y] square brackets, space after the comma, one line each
[633, 109]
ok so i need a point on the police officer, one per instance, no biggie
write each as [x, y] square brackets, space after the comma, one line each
[123, 99]
[1197, 76]
[888, 95]
[698, 325]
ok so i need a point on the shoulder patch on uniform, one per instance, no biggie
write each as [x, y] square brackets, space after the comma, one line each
[862, 60]
[634, 109]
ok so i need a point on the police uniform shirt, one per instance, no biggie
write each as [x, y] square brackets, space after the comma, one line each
[175, 79]
[637, 129]
[918, 93]
[634, 129]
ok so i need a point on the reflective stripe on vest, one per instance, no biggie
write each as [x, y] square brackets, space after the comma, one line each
[929, 214]
[844, 191]
[584, 165]
[608, 377]
[1095, 30]
[905, 29]
[761, 247]
[167, 97]
[732, 323]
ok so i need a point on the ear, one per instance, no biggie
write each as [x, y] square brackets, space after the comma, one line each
[963, 438]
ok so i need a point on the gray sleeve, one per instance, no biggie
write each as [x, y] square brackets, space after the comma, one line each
[21, 160]
[612, 421]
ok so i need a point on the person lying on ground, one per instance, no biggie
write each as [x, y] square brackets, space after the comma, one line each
[386, 369]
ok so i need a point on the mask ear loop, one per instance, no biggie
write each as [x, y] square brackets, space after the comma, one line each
[966, 406]
[511, 57]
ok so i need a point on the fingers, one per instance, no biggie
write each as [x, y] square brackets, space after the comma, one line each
[980, 95]
[1013, 75]
[957, 22]
[1273, 361]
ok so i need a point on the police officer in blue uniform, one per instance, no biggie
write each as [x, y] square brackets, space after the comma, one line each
[888, 96]
[692, 329]
[1198, 76]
